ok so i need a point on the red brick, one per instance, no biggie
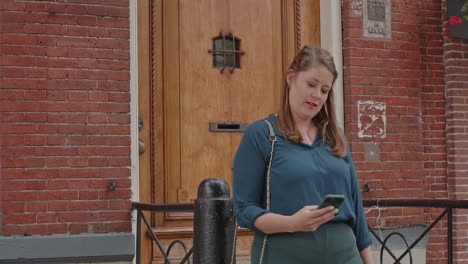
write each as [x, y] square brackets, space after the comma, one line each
[80, 228]
[114, 130]
[123, 216]
[119, 205]
[89, 206]
[57, 184]
[87, 21]
[122, 44]
[76, 9]
[119, 119]
[119, 97]
[77, 31]
[113, 22]
[57, 195]
[77, 140]
[21, 39]
[17, 129]
[77, 217]
[56, 30]
[67, 63]
[114, 107]
[19, 196]
[57, 52]
[56, 96]
[52, 229]
[118, 11]
[78, 95]
[118, 33]
[111, 195]
[13, 207]
[98, 162]
[98, 96]
[112, 227]
[88, 195]
[97, 10]
[36, 207]
[57, 206]
[19, 218]
[25, 61]
[113, 65]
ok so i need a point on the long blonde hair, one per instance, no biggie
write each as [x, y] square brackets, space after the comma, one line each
[312, 56]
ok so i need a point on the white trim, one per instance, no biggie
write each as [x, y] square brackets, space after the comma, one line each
[134, 109]
[331, 39]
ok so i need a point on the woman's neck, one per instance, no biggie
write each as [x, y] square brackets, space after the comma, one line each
[308, 130]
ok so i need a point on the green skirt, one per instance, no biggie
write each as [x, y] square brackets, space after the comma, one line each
[332, 243]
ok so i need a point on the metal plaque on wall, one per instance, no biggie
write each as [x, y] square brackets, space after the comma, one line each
[457, 12]
[376, 19]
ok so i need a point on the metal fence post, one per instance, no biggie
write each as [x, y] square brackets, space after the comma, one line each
[450, 235]
[138, 239]
[214, 224]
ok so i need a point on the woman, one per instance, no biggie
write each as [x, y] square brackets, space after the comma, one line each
[310, 160]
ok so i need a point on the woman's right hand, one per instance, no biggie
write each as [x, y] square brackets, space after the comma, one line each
[310, 218]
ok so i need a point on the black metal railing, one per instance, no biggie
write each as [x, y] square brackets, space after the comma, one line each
[448, 205]
[140, 207]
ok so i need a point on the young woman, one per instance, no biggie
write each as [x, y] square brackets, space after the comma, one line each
[310, 160]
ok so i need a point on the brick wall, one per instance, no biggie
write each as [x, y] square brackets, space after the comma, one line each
[406, 74]
[388, 72]
[456, 88]
[64, 117]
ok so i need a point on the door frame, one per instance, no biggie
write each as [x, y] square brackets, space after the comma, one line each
[151, 86]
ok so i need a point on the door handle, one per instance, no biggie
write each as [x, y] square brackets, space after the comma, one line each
[227, 126]
[141, 147]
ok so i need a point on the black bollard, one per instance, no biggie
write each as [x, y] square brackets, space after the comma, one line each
[214, 224]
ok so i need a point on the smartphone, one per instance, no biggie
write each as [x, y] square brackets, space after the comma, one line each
[332, 199]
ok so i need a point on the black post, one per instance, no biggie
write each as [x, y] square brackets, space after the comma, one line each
[214, 224]
[138, 238]
[450, 235]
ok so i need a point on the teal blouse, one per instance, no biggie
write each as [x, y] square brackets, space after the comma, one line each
[301, 175]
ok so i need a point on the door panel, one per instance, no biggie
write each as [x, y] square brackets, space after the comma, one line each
[207, 95]
[204, 97]
[255, 87]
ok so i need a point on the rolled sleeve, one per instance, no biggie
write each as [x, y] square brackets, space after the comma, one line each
[246, 218]
[249, 176]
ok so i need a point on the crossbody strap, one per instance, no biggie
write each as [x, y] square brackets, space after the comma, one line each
[272, 138]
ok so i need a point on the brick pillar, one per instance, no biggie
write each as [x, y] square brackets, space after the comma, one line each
[406, 73]
[456, 90]
[386, 72]
[433, 117]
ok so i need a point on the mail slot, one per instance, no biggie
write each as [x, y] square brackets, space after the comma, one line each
[227, 126]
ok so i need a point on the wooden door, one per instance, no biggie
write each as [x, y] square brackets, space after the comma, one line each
[207, 95]
[181, 90]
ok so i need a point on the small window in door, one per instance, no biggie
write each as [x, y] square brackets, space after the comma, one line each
[226, 52]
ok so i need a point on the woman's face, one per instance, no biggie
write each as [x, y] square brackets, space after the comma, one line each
[308, 91]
